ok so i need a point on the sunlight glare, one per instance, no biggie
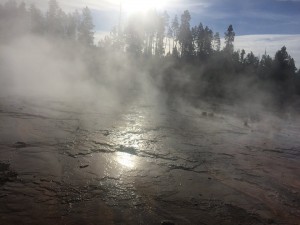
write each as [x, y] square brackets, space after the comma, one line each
[132, 6]
[125, 159]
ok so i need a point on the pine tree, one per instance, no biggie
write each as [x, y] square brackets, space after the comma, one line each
[284, 65]
[208, 39]
[217, 42]
[85, 30]
[229, 39]
[251, 60]
[185, 37]
[265, 66]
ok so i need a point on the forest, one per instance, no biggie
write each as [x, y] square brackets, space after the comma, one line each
[161, 120]
[180, 60]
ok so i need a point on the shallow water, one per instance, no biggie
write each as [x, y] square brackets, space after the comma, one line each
[143, 164]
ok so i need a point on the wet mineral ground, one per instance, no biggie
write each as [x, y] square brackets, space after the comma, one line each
[143, 164]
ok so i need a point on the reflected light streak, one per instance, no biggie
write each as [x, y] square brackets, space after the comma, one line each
[125, 159]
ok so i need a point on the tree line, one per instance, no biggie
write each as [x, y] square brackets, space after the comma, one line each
[196, 52]
[176, 51]
[17, 19]
[154, 33]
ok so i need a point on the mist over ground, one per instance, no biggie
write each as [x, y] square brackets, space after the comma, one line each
[158, 123]
[54, 55]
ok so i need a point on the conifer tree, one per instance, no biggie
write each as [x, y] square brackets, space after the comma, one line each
[85, 29]
[229, 39]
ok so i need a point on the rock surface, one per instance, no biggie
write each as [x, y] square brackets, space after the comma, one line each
[142, 164]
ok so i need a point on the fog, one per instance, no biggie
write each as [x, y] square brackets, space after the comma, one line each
[38, 68]
[155, 124]
[42, 69]
[44, 56]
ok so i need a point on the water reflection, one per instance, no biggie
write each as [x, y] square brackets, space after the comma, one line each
[131, 138]
[125, 159]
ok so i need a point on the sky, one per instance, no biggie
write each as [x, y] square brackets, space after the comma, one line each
[261, 24]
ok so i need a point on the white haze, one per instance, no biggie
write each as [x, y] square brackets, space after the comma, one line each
[39, 68]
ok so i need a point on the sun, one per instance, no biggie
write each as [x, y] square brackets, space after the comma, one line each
[134, 6]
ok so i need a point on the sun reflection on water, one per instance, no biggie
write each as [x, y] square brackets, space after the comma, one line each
[131, 139]
[125, 159]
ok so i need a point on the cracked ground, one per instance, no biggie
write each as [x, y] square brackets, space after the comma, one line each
[146, 164]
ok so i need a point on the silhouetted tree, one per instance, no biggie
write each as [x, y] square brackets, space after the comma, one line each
[251, 60]
[284, 75]
[217, 42]
[208, 38]
[185, 38]
[198, 37]
[203, 38]
[284, 65]
[265, 67]
[229, 39]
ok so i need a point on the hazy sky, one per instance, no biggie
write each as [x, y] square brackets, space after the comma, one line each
[246, 16]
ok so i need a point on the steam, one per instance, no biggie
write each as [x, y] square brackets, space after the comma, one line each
[38, 66]
[34, 66]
